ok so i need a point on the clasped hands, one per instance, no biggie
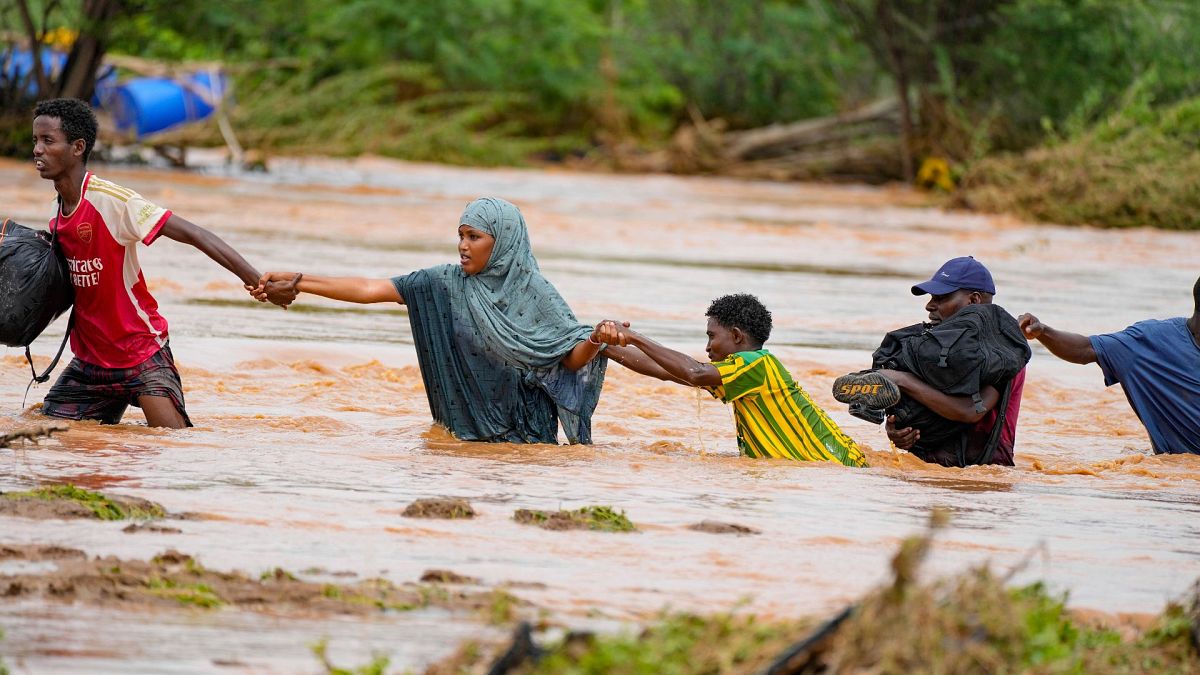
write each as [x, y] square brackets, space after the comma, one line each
[611, 332]
[279, 288]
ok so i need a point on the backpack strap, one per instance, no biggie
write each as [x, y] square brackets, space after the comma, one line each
[70, 325]
[993, 440]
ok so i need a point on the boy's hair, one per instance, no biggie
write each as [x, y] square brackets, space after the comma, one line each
[1196, 295]
[77, 119]
[744, 311]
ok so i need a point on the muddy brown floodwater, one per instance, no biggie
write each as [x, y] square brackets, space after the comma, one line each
[313, 432]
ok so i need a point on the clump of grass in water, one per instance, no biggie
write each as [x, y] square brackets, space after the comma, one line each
[193, 595]
[104, 507]
[603, 518]
[440, 507]
[377, 666]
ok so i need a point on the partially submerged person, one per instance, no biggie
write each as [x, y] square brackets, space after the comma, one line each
[774, 416]
[947, 429]
[1157, 363]
[502, 356]
[121, 351]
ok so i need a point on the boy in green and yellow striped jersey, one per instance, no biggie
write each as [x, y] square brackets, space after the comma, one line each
[775, 417]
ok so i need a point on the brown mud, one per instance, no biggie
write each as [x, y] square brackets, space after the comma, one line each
[173, 579]
[717, 527]
[439, 507]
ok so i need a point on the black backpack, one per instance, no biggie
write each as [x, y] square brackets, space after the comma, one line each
[980, 345]
[35, 287]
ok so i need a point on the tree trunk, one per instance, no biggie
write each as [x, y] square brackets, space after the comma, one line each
[79, 75]
[35, 51]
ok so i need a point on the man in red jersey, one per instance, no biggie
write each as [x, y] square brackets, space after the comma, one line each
[118, 337]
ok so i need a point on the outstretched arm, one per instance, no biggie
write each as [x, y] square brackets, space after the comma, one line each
[283, 286]
[957, 408]
[677, 366]
[211, 245]
[1071, 347]
[633, 359]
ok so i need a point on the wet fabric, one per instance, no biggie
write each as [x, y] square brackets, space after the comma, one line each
[85, 391]
[490, 345]
[775, 417]
[117, 323]
[968, 447]
[1157, 363]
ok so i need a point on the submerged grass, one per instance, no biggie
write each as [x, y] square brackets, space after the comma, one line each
[1137, 168]
[970, 623]
[603, 518]
[104, 507]
[191, 595]
[377, 666]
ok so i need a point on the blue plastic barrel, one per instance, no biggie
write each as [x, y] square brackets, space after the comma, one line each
[16, 66]
[152, 104]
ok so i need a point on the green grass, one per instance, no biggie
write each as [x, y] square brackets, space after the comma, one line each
[191, 595]
[102, 506]
[1137, 168]
[377, 666]
[603, 518]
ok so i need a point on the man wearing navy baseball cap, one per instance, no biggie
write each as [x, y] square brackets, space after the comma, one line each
[958, 283]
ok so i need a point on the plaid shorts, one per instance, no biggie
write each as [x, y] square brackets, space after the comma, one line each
[89, 392]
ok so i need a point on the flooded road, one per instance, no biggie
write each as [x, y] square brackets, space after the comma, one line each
[313, 431]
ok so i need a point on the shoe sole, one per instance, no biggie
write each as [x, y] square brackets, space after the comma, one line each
[868, 388]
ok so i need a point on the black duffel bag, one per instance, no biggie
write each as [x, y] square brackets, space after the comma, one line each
[980, 345]
[35, 289]
[35, 286]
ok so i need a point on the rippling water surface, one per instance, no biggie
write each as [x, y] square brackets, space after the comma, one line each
[313, 431]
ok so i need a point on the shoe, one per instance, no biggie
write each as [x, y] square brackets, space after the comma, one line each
[867, 388]
[871, 415]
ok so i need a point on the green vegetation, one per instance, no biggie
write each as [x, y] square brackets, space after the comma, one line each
[377, 666]
[192, 595]
[502, 607]
[622, 82]
[603, 518]
[104, 507]
[675, 643]
[1137, 167]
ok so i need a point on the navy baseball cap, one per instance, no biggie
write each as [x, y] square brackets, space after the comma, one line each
[959, 273]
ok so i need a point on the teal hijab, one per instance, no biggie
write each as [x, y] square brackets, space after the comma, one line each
[517, 311]
[491, 344]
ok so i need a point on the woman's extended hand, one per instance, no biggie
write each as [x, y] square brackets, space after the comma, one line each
[279, 288]
[610, 332]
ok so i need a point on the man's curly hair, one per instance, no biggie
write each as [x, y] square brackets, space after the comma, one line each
[77, 119]
[744, 311]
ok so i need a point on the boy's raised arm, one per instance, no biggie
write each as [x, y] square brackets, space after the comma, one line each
[677, 366]
[184, 231]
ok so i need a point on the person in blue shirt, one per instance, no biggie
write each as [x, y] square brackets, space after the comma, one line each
[1157, 362]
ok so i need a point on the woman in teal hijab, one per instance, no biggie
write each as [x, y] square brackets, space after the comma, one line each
[502, 356]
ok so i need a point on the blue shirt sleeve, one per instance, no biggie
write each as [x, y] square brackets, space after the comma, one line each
[1114, 352]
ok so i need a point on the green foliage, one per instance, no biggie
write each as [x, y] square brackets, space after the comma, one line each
[192, 595]
[377, 666]
[603, 518]
[502, 607]
[675, 643]
[1063, 64]
[1135, 168]
[102, 506]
